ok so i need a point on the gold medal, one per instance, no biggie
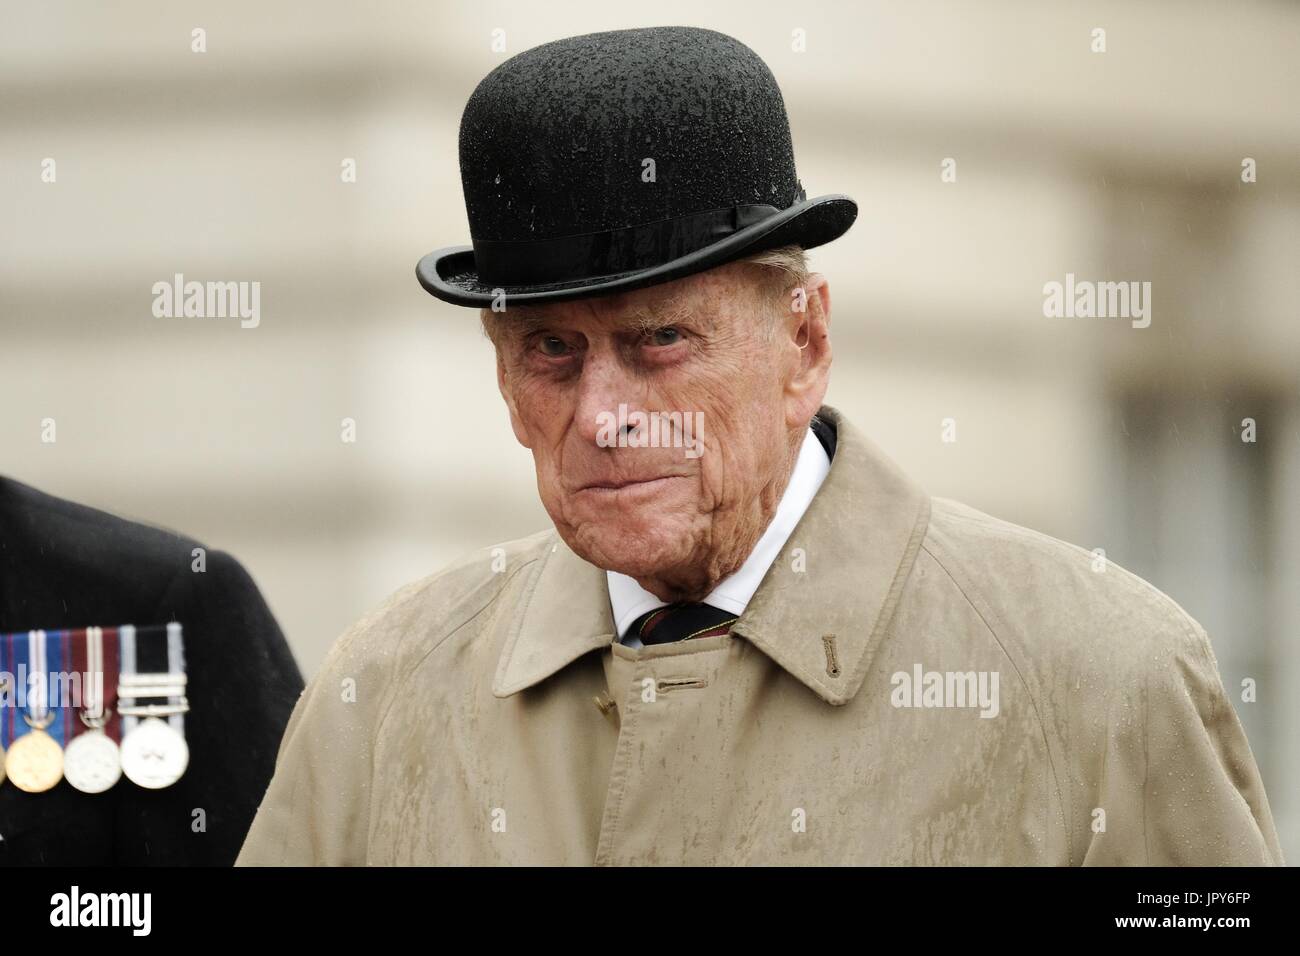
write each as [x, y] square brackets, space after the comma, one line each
[35, 760]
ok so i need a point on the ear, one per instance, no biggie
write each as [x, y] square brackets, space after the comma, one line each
[503, 385]
[809, 337]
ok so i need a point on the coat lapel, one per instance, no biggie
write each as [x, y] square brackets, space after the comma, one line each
[564, 614]
[827, 599]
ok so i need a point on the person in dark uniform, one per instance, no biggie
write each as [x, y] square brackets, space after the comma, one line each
[63, 566]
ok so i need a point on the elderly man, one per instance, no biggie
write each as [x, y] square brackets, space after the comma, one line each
[749, 638]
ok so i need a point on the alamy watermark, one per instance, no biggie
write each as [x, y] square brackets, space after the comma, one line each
[208, 300]
[52, 688]
[132, 910]
[638, 429]
[922, 688]
[1084, 299]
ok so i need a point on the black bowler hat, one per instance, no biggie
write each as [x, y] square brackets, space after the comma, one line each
[612, 161]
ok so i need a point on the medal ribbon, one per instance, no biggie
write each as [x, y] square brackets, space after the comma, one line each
[112, 663]
[126, 646]
[27, 663]
[153, 650]
[175, 649]
[94, 656]
[58, 650]
[176, 665]
[20, 659]
[45, 657]
[37, 678]
[93, 684]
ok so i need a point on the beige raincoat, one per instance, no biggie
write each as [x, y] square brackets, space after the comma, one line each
[914, 683]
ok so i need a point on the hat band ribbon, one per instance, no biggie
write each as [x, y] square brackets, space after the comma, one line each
[613, 251]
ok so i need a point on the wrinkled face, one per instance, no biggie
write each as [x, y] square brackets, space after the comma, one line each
[663, 422]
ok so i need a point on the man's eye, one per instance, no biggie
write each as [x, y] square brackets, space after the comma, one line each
[551, 345]
[668, 336]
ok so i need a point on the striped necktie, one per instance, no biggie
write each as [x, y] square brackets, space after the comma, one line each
[681, 622]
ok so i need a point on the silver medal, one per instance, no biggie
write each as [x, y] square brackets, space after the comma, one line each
[92, 762]
[154, 751]
[154, 754]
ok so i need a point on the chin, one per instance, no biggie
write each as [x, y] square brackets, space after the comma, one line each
[629, 548]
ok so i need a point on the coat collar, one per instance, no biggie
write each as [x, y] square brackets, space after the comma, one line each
[820, 613]
[565, 613]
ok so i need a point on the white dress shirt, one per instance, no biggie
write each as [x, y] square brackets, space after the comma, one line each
[629, 600]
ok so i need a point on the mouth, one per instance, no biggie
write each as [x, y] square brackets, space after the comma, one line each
[615, 485]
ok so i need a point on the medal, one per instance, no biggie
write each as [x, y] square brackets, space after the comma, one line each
[154, 751]
[154, 754]
[34, 762]
[92, 762]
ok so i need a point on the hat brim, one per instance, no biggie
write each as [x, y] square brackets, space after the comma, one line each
[449, 274]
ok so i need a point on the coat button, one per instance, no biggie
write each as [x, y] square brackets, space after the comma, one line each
[604, 703]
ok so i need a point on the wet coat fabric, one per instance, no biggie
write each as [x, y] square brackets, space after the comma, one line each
[914, 682]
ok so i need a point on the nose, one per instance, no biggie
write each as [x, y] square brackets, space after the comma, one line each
[605, 383]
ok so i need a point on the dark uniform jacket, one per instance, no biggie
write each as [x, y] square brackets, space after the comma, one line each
[63, 566]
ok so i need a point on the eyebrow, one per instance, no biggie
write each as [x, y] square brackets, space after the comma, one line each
[525, 321]
[673, 310]
[670, 310]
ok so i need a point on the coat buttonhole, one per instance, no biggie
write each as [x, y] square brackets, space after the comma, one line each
[832, 661]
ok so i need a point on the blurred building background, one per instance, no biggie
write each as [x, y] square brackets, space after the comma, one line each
[226, 165]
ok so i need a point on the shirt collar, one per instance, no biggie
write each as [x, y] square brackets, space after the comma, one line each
[629, 600]
[820, 612]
